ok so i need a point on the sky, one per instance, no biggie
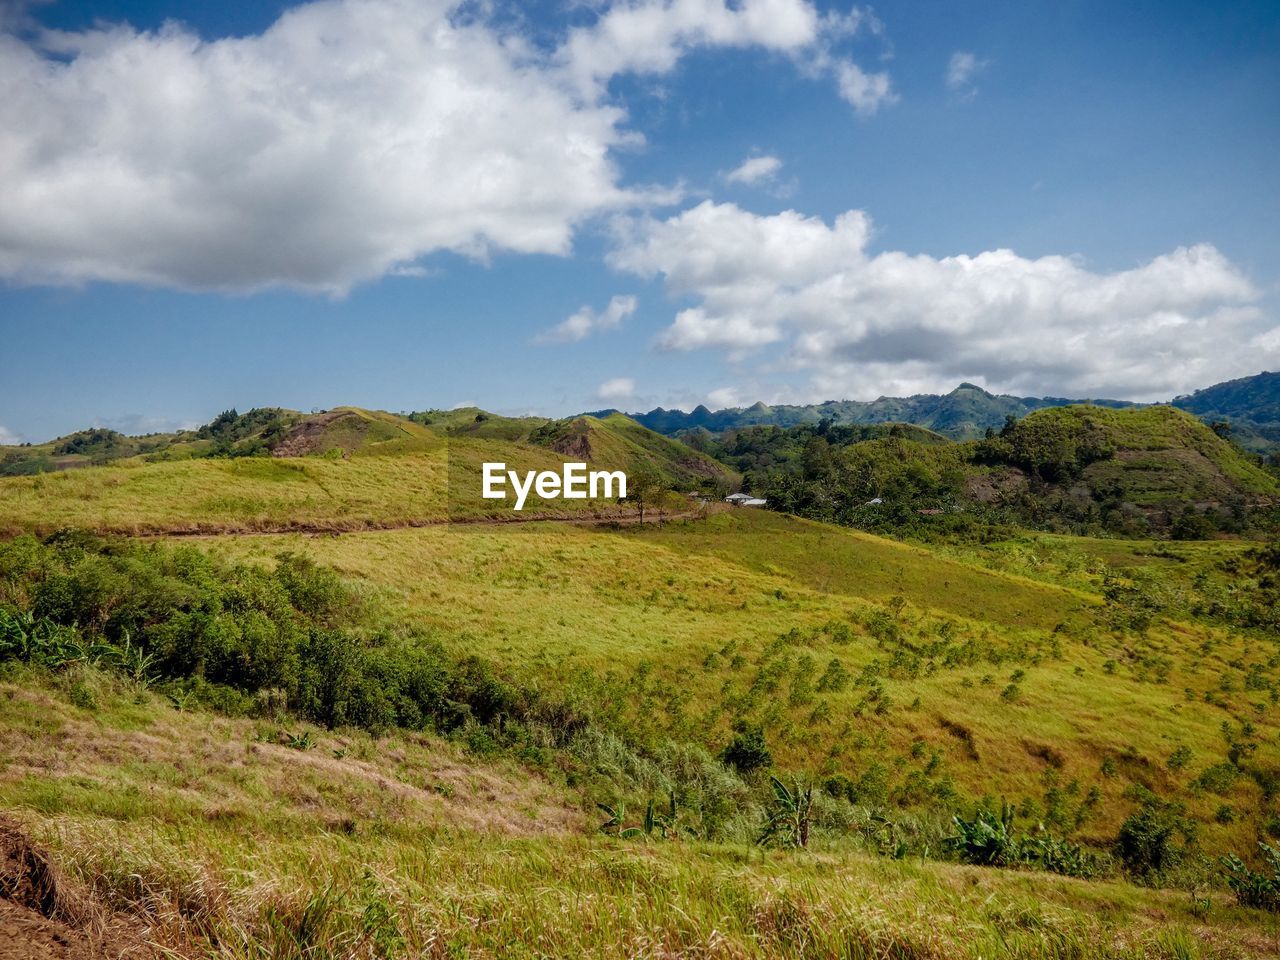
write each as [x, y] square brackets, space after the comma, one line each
[554, 207]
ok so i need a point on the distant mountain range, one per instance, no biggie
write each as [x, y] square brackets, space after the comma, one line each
[1251, 405]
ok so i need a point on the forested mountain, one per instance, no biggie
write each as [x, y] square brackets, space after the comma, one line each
[963, 414]
[1250, 405]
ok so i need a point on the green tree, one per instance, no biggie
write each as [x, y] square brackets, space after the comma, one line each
[644, 486]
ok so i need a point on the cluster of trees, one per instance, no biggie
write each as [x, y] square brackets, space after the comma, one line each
[238, 634]
[97, 443]
[1050, 449]
[252, 434]
[905, 480]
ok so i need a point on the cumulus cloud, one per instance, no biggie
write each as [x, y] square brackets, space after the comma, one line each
[863, 323]
[962, 70]
[616, 390]
[754, 170]
[8, 437]
[351, 137]
[346, 142]
[587, 321]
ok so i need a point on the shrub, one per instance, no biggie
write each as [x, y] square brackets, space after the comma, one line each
[747, 751]
[1255, 889]
[1146, 840]
[987, 839]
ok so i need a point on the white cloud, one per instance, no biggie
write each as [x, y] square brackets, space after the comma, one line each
[349, 139]
[867, 92]
[724, 397]
[864, 323]
[962, 70]
[754, 170]
[344, 143]
[587, 321]
[617, 390]
[649, 36]
[8, 437]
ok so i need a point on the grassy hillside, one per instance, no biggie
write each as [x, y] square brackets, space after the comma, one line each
[620, 441]
[346, 469]
[704, 625]
[1154, 469]
[314, 730]
[225, 841]
[275, 836]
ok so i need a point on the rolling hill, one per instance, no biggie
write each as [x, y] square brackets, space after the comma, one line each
[1153, 458]
[327, 716]
[343, 469]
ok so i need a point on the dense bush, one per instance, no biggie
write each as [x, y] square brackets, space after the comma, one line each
[293, 629]
[1147, 842]
[250, 434]
[988, 839]
[747, 751]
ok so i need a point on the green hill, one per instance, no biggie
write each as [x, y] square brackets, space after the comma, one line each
[1153, 470]
[617, 440]
[342, 469]
[1155, 458]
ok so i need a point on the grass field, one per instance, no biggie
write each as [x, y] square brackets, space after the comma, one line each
[907, 682]
[263, 493]
[408, 846]
[699, 624]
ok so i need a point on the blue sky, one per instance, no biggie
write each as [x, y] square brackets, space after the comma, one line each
[395, 205]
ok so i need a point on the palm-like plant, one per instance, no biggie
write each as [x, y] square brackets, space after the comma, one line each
[789, 816]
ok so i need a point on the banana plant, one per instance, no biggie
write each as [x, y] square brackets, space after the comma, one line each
[136, 662]
[789, 817]
[615, 825]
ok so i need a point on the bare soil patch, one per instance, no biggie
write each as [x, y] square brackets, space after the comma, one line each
[45, 916]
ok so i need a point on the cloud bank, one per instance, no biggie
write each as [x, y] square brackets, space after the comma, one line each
[800, 293]
[344, 143]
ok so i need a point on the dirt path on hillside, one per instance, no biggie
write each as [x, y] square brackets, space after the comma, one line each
[318, 528]
[334, 528]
